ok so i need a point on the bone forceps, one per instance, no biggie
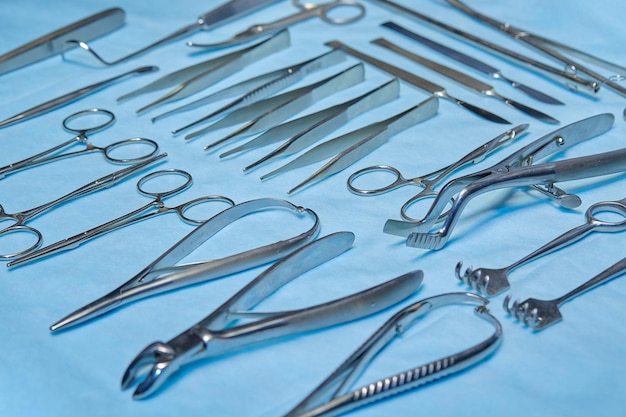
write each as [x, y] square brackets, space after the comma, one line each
[493, 281]
[216, 334]
[334, 396]
[154, 208]
[21, 218]
[307, 11]
[539, 314]
[108, 152]
[429, 181]
[163, 274]
[518, 170]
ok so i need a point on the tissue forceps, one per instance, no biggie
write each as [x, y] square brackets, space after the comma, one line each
[108, 152]
[230, 10]
[491, 281]
[21, 218]
[518, 170]
[307, 11]
[335, 397]
[550, 48]
[163, 274]
[154, 208]
[429, 181]
[219, 333]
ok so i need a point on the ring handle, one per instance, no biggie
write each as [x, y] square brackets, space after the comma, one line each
[326, 9]
[183, 208]
[616, 207]
[161, 173]
[67, 122]
[397, 181]
[21, 229]
[108, 150]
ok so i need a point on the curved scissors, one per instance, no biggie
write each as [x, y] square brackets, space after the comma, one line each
[307, 10]
[22, 217]
[72, 124]
[430, 180]
[135, 215]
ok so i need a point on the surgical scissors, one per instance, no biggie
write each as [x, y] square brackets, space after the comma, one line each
[307, 10]
[517, 170]
[429, 181]
[143, 213]
[219, 332]
[22, 217]
[108, 152]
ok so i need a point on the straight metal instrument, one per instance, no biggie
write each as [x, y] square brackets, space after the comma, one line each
[465, 80]
[54, 43]
[471, 62]
[418, 82]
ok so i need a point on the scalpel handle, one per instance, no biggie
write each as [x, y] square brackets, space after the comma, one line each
[231, 10]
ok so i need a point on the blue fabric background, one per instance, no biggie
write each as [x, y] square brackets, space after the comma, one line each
[574, 368]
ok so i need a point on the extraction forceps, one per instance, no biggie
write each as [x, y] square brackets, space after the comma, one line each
[472, 62]
[61, 101]
[335, 396]
[53, 43]
[154, 208]
[465, 80]
[307, 10]
[352, 146]
[517, 170]
[71, 124]
[430, 180]
[491, 281]
[539, 314]
[551, 48]
[219, 333]
[282, 80]
[195, 78]
[163, 274]
[230, 10]
[19, 219]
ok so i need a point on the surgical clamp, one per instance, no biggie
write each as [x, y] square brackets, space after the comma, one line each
[491, 281]
[517, 170]
[335, 397]
[163, 275]
[218, 333]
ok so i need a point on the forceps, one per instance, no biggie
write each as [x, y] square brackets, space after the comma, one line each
[22, 217]
[429, 181]
[517, 170]
[163, 274]
[228, 11]
[307, 10]
[108, 152]
[335, 397]
[143, 213]
[219, 332]
[493, 281]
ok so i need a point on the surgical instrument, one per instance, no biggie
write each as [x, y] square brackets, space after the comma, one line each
[54, 43]
[352, 146]
[471, 62]
[550, 49]
[430, 180]
[465, 80]
[71, 97]
[335, 397]
[539, 314]
[218, 333]
[491, 281]
[108, 152]
[566, 77]
[225, 13]
[290, 76]
[307, 10]
[274, 110]
[518, 170]
[22, 217]
[154, 208]
[340, 115]
[163, 274]
[195, 78]
[421, 83]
